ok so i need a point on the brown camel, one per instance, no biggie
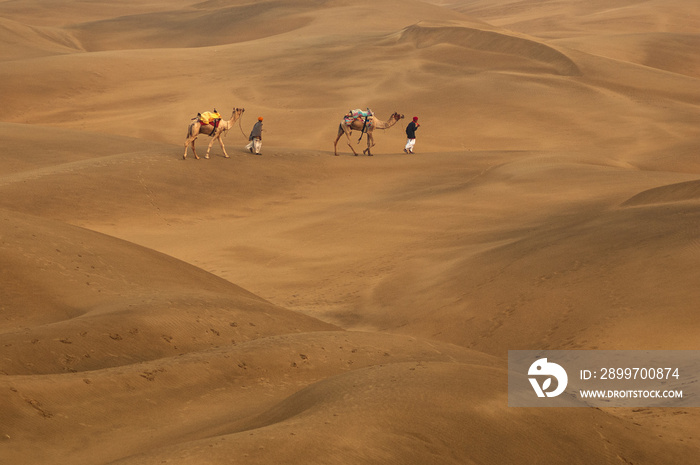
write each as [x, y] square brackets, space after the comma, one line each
[357, 124]
[196, 128]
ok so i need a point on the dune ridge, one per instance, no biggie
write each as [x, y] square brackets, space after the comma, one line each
[683, 191]
[174, 29]
[119, 294]
[490, 41]
[20, 41]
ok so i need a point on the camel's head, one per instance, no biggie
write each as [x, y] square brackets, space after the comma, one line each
[238, 110]
[397, 116]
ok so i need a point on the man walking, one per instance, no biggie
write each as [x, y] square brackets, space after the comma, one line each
[411, 134]
[255, 137]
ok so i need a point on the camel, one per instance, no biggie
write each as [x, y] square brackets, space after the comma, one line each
[357, 124]
[196, 128]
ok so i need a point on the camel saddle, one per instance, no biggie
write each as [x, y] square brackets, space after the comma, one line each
[353, 115]
[209, 118]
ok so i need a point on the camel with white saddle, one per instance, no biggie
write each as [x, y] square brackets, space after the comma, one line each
[366, 124]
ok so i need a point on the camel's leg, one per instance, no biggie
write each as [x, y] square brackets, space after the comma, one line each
[342, 129]
[351, 147]
[188, 144]
[221, 142]
[194, 131]
[370, 144]
[335, 144]
[348, 131]
[211, 142]
[223, 148]
[193, 149]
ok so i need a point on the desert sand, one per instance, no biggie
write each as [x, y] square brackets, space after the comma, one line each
[303, 308]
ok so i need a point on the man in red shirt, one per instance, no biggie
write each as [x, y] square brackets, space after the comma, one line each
[411, 134]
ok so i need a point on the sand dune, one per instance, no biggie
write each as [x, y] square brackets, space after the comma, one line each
[325, 411]
[580, 17]
[101, 294]
[298, 307]
[196, 27]
[665, 194]
[665, 51]
[20, 41]
[218, 392]
[493, 43]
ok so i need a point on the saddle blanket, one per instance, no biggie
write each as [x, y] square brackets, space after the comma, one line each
[352, 115]
[208, 117]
